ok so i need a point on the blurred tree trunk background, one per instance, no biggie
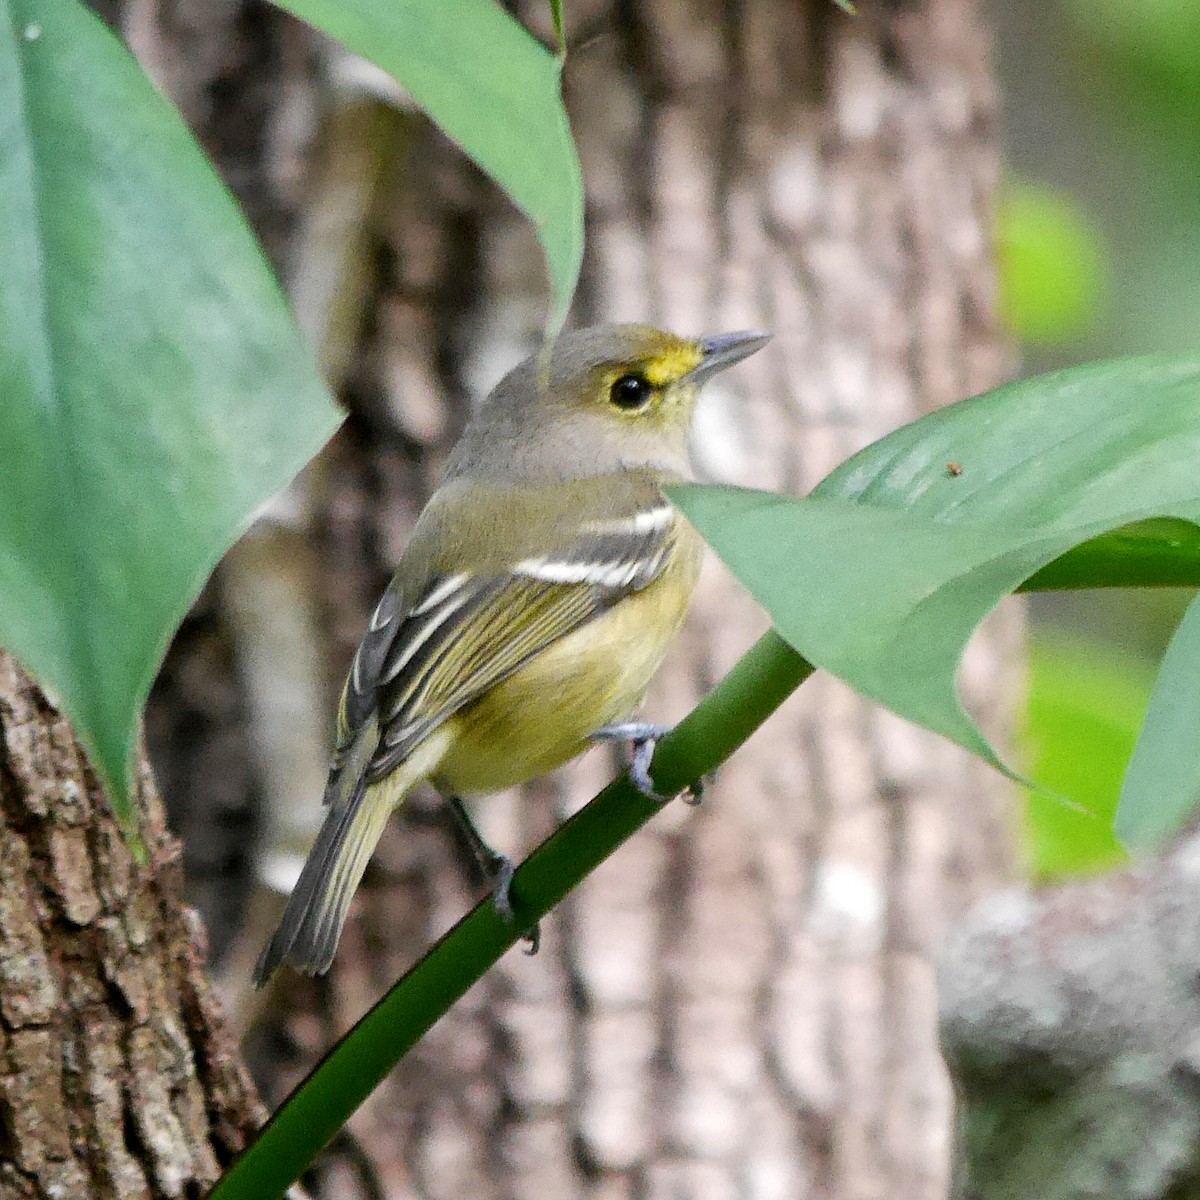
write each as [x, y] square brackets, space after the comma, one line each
[741, 1002]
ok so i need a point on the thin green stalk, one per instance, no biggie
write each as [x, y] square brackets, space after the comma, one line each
[760, 681]
[1163, 552]
[556, 15]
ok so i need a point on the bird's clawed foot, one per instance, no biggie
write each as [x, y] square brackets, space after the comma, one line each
[644, 737]
[497, 868]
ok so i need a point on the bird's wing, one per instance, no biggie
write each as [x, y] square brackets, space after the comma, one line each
[428, 654]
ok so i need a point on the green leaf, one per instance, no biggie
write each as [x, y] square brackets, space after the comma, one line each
[494, 89]
[154, 388]
[883, 573]
[1085, 704]
[1162, 783]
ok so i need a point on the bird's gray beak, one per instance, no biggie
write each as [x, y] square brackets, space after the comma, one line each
[725, 349]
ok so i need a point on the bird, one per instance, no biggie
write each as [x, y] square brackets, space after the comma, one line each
[533, 604]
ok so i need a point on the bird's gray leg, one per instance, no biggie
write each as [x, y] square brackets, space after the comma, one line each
[497, 869]
[643, 737]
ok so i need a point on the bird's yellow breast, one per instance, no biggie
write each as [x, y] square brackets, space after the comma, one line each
[545, 713]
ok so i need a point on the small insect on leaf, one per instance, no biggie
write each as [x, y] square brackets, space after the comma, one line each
[954, 469]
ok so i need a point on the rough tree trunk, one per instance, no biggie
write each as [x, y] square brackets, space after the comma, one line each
[117, 1078]
[741, 1002]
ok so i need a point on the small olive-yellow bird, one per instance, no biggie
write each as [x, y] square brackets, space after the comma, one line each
[542, 586]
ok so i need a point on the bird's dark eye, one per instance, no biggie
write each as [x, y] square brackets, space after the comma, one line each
[631, 392]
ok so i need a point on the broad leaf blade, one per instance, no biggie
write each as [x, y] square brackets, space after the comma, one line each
[491, 87]
[154, 388]
[882, 575]
[1162, 782]
[1088, 443]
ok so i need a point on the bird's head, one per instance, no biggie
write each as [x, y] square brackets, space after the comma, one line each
[609, 396]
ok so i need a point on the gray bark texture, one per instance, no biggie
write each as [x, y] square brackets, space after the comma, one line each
[1071, 1021]
[117, 1076]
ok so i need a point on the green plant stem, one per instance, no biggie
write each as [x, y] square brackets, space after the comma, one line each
[1163, 552]
[760, 681]
[556, 15]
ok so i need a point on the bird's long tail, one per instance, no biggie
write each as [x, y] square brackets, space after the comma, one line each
[308, 932]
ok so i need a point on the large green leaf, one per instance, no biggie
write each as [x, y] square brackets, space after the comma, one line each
[1162, 785]
[884, 572]
[494, 89]
[153, 388]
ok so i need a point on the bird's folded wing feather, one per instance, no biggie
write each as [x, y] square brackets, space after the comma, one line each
[434, 648]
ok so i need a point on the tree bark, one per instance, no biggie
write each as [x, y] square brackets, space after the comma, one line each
[117, 1078]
